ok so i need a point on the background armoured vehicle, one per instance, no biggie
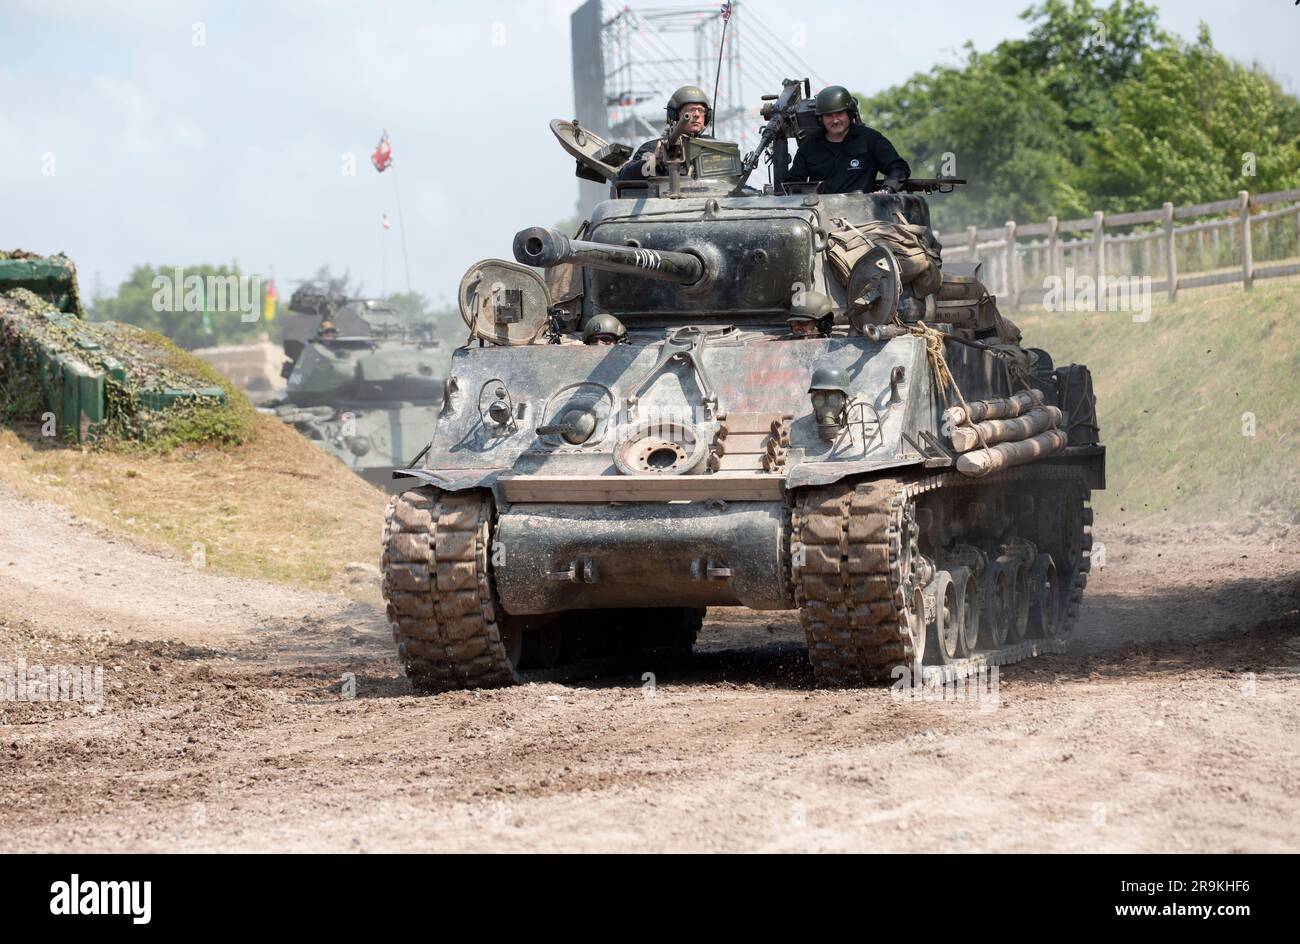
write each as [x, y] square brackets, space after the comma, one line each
[372, 400]
[582, 499]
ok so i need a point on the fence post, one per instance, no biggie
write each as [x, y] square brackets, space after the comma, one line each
[1053, 246]
[1247, 263]
[1171, 257]
[1099, 258]
[1013, 281]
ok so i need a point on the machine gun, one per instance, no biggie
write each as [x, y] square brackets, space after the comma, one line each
[788, 114]
[671, 152]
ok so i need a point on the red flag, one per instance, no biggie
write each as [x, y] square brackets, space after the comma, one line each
[383, 155]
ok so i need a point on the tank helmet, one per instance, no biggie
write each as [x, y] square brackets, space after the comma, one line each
[811, 311]
[688, 95]
[829, 379]
[603, 327]
[811, 305]
[835, 98]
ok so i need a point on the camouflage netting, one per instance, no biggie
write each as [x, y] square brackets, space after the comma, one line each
[51, 278]
[109, 381]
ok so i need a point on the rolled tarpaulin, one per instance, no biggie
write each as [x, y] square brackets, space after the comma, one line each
[1005, 455]
[1040, 419]
[1022, 402]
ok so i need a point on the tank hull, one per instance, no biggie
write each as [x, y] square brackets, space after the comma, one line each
[718, 458]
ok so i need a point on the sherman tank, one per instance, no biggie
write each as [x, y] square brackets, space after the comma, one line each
[370, 399]
[785, 402]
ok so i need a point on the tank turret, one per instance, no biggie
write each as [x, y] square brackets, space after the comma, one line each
[370, 399]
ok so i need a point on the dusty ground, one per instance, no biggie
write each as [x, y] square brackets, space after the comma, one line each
[1171, 724]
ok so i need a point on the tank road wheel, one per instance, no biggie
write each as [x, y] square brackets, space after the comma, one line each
[858, 554]
[968, 600]
[996, 593]
[442, 603]
[944, 645]
[849, 549]
[917, 625]
[1019, 595]
[1044, 614]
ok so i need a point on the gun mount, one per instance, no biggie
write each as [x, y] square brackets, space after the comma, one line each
[543, 247]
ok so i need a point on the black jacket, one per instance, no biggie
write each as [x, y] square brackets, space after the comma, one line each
[850, 166]
[634, 169]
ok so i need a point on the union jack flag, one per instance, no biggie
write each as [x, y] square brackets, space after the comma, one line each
[383, 155]
[726, 11]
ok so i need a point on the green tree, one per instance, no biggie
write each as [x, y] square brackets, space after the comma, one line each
[993, 125]
[1191, 127]
[1079, 52]
[1096, 108]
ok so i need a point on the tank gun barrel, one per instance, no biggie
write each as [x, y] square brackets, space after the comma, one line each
[543, 247]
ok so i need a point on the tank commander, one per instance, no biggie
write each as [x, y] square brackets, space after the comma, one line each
[846, 155]
[812, 314]
[604, 330]
[689, 101]
[327, 331]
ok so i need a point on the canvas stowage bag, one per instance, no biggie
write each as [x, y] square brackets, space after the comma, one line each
[913, 246]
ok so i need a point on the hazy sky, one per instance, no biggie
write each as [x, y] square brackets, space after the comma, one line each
[123, 141]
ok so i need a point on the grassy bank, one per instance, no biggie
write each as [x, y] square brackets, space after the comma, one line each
[1198, 406]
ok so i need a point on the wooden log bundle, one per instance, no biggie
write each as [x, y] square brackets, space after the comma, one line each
[1038, 420]
[1002, 408]
[1005, 455]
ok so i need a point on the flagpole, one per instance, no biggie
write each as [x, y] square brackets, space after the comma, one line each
[383, 160]
[383, 261]
[401, 223]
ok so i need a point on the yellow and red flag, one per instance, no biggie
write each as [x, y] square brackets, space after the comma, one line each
[268, 304]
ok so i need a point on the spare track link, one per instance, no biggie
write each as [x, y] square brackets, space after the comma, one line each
[851, 588]
[441, 604]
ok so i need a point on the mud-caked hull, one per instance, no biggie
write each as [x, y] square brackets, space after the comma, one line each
[579, 498]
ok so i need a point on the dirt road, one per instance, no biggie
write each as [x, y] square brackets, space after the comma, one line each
[1171, 724]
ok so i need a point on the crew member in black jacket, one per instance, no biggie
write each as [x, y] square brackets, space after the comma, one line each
[689, 101]
[846, 155]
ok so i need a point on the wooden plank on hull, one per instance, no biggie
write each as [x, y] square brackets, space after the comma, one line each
[642, 488]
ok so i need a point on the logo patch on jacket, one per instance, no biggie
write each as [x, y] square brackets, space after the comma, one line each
[853, 163]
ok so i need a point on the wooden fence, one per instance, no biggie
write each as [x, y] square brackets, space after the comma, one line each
[1218, 248]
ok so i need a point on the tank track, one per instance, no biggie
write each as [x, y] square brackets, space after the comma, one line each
[858, 571]
[441, 604]
[853, 586]
[447, 622]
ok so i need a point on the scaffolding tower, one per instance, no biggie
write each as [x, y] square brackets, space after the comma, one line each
[625, 67]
